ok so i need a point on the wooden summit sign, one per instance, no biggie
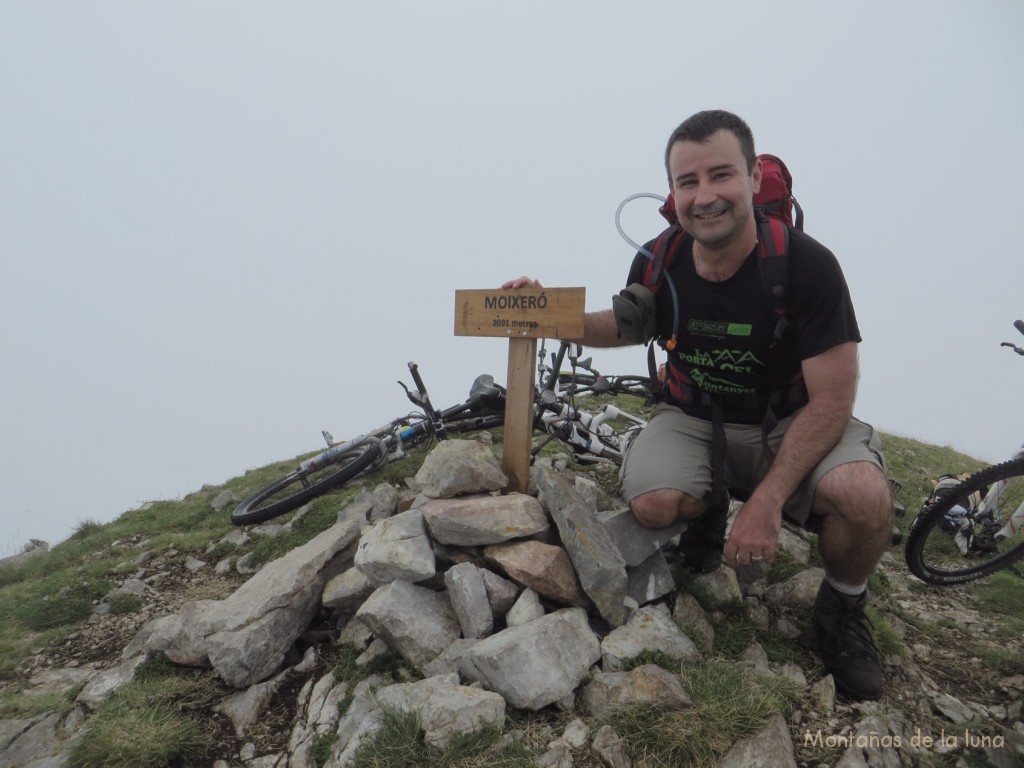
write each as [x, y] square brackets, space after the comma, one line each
[522, 316]
[537, 313]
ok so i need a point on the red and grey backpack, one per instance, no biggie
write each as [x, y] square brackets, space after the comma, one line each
[776, 210]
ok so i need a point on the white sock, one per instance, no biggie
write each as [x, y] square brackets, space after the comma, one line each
[853, 590]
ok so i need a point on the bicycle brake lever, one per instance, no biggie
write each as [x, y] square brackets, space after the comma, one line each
[549, 399]
[415, 397]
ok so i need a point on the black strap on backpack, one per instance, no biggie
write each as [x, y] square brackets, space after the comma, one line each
[773, 267]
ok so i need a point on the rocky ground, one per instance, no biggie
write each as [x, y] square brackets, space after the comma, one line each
[944, 704]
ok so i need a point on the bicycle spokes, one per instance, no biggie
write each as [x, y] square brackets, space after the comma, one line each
[973, 538]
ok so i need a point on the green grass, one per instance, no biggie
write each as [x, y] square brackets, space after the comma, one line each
[391, 667]
[123, 735]
[916, 466]
[658, 658]
[888, 642]
[15, 705]
[154, 721]
[399, 744]
[999, 593]
[1002, 594]
[785, 567]
[122, 604]
[1005, 661]
[321, 749]
[728, 704]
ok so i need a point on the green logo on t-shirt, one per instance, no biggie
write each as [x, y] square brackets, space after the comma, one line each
[719, 329]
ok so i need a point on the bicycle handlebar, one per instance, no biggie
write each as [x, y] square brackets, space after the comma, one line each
[1019, 325]
[414, 370]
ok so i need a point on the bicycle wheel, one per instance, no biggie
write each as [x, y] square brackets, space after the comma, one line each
[295, 489]
[954, 541]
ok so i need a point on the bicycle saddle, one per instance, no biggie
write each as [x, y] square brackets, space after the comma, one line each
[485, 394]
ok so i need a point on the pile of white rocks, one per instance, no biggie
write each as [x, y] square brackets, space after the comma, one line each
[524, 600]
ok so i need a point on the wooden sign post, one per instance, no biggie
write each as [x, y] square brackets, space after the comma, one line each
[522, 316]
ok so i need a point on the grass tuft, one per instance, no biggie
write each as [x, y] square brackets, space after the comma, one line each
[395, 745]
[126, 735]
[322, 747]
[729, 704]
[658, 658]
[399, 744]
[149, 723]
[886, 638]
[1000, 594]
[122, 604]
[391, 667]
[43, 612]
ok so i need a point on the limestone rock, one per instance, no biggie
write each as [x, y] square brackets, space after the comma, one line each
[535, 664]
[456, 467]
[415, 621]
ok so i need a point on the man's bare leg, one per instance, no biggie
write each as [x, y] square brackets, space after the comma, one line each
[857, 526]
[665, 506]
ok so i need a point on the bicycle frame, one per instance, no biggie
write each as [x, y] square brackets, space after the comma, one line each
[989, 506]
[585, 432]
[395, 434]
[555, 413]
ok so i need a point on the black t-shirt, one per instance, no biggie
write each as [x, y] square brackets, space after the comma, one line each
[726, 328]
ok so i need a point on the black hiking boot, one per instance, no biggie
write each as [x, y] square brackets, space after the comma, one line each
[701, 544]
[845, 644]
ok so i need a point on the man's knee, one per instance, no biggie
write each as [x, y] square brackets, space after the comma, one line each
[665, 506]
[857, 491]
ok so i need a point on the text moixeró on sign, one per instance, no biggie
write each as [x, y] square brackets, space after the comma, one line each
[534, 313]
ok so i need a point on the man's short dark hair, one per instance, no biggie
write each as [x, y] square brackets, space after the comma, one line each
[703, 125]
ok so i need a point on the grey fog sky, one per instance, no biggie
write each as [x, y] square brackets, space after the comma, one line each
[225, 226]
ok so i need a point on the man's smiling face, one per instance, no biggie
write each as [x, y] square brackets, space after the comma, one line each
[713, 189]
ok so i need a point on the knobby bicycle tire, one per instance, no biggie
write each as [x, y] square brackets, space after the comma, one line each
[933, 552]
[295, 489]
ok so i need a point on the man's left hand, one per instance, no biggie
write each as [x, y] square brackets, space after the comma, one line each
[754, 535]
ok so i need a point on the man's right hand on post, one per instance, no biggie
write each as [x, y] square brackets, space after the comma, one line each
[522, 282]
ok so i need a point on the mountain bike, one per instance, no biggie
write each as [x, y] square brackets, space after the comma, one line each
[974, 527]
[601, 435]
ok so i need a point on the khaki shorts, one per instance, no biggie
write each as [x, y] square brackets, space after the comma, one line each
[674, 451]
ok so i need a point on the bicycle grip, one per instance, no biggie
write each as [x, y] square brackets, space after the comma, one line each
[1019, 325]
[414, 370]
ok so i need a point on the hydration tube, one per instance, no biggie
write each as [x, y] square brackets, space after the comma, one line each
[648, 254]
[618, 220]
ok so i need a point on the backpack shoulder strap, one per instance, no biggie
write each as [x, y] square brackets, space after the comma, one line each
[773, 264]
[664, 252]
